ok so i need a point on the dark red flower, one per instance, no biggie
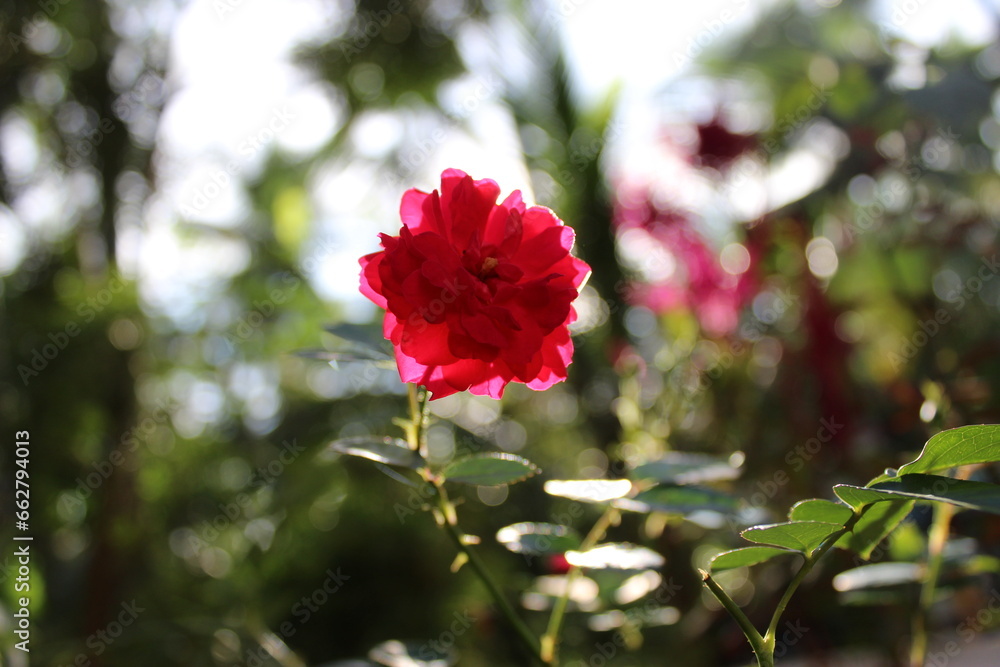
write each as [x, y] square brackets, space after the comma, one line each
[699, 283]
[718, 147]
[477, 294]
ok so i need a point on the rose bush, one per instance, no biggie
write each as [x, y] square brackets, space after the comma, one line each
[477, 294]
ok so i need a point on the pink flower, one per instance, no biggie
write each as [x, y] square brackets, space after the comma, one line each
[699, 284]
[477, 294]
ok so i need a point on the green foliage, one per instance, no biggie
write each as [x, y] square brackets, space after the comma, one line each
[970, 495]
[538, 539]
[490, 469]
[803, 536]
[745, 556]
[671, 499]
[686, 468]
[393, 451]
[186, 458]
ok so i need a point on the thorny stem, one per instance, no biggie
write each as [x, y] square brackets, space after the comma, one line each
[450, 524]
[415, 429]
[550, 640]
[806, 568]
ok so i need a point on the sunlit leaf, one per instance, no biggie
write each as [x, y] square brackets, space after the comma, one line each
[538, 539]
[377, 359]
[367, 336]
[588, 490]
[679, 500]
[393, 451]
[583, 592]
[963, 493]
[980, 563]
[877, 575]
[816, 509]
[637, 587]
[802, 536]
[686, 468]
[956, 447]
[490, 469]
[394, 653]
[745, 556]
[622, 556]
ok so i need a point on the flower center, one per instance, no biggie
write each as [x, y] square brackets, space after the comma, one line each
[489, 264]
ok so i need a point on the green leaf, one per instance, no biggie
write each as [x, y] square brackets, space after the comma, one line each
[538, 539]
[802, 536]
[375, 358]
[588, 490]
[620, 556]
[875, 524]
[744, 557]
[394, 451]
[963, 493]
[878, 575]
[957, 447]
[413, 654]
[816, 509]
[366, 336]
[679, 500]
[490, 469]
[980, 564]
[686, 468]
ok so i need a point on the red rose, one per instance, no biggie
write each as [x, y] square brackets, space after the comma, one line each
[477, 294]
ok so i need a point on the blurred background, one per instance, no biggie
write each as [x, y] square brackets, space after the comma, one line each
[790, 207]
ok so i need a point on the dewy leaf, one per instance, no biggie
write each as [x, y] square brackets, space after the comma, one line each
[963, 493]
[393, 451]
[588, 490]
[744, 557]
[957, 447]
[538, 539]
[490, 469]
[875, 524]
[679, 500]
[687, 468]
[623, 556]
[802, 536]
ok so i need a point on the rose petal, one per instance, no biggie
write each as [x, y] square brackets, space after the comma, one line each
[492, 387]
[483, 329]
[466, 204]
[477, 294]
[536, 220]
[504, 228]
[371, 282]
[537, 256]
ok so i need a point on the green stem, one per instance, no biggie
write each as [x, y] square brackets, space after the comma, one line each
[937, 537]
[764, 653]
[451, 527]
[936, 540]
[764, 646]
[550, 640]
[416, 428]
[806, 568]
